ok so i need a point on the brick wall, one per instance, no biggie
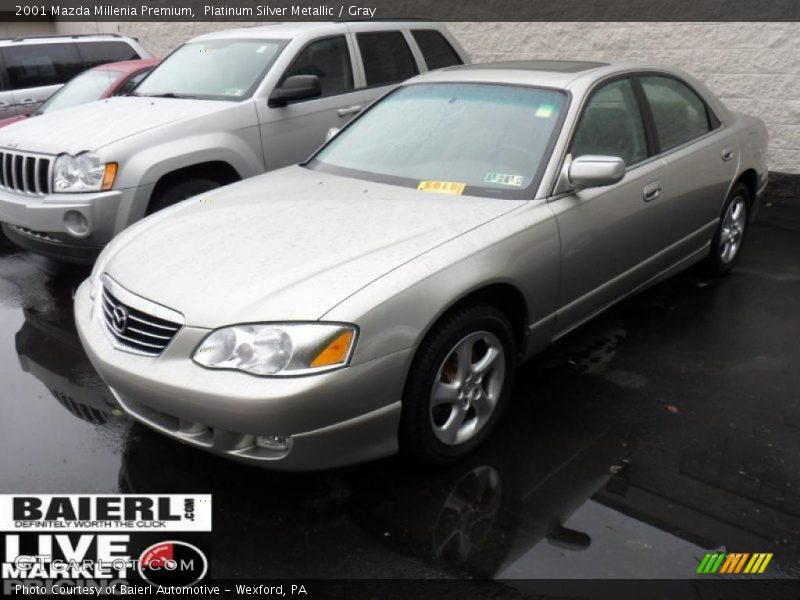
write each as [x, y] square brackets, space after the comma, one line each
[754, 67]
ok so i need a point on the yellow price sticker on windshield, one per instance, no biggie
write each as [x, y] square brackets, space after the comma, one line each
[442, 187]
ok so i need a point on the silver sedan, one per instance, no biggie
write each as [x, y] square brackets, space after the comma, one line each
[380, 296]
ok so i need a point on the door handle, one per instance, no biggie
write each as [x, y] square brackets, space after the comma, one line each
[727, 154]
[28, 101]
[350, 110]
[3, 105]
[652, 191]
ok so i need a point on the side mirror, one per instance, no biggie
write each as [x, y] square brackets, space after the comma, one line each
[596, 171]
[332, 133]
[296, 87]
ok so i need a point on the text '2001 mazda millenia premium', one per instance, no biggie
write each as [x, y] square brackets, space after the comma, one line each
[379, 296]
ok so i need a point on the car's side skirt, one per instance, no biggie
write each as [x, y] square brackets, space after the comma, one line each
[695, 254]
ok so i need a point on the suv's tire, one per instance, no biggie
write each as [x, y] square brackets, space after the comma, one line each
[450, 403]
[726, 244]
[172, 193]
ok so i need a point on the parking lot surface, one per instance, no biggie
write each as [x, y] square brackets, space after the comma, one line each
[666, 428]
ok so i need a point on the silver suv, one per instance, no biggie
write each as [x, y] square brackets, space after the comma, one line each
[222, 107]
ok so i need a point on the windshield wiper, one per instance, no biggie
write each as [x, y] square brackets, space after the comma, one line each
[167, 95]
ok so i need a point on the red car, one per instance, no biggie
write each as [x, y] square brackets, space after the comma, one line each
[102, 81]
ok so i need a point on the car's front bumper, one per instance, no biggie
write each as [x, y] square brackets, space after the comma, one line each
[337, 418]
[37, 223]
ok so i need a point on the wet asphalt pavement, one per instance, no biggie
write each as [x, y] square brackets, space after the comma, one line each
[666, 428]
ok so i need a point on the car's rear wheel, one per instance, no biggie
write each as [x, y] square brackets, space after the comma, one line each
[458, 385]
[727, 242]
[172, 193]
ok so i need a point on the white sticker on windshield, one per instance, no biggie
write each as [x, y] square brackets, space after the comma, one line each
[262, 49]
[545, 111]
[503, 179]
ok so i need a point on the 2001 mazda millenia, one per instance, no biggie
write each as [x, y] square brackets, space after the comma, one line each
[379, 296]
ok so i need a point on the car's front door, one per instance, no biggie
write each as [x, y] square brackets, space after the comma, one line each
[610, 236]
[291, 133]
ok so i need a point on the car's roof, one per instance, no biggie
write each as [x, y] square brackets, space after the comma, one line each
[66, 38]
[564, 74]
[281, 31]
[128, 66]
[555, 66]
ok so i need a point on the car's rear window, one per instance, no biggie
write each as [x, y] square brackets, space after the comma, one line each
[436, 50]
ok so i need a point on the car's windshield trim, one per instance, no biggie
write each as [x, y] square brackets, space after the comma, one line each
[281, 46]
[526, 193]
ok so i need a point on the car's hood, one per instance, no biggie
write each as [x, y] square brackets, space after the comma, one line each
[96, 124]
[10, 120]
[288, 245]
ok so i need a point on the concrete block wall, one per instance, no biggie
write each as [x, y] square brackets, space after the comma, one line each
[754, 67]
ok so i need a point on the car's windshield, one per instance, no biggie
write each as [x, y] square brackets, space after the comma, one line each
[213, 69]
[86, 87]
[462, 138]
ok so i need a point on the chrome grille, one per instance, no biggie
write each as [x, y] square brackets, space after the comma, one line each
[135, 324]
[25, 173]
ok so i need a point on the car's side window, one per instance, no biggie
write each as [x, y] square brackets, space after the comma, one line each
[99, 53]
[386, 56]
[436, 50]
[612, 124]
[127, 87]
[36, 65]
[680, 115]
[328, 59]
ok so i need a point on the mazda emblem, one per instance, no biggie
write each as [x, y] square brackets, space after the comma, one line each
[119, 319]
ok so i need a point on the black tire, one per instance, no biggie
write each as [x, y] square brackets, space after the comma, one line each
[417, 438]
[715, 264]
[172, 193]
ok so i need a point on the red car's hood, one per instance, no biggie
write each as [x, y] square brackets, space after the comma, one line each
[10, 120]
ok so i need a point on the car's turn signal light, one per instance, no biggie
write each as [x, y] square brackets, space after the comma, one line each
[109, 176]
[335, 352]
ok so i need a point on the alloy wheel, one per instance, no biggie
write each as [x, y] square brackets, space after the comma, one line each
[733, 224]
[467, 387]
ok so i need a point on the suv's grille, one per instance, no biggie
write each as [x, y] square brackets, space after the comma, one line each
[35, 234]
[25, 173]
[131, 321]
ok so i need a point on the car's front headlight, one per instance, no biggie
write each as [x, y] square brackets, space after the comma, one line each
[82, 173]
[278, 349]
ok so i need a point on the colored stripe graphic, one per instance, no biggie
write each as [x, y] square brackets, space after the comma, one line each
[734, 562]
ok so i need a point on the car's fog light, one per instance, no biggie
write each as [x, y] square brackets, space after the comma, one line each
[279, 443]
[75, 223]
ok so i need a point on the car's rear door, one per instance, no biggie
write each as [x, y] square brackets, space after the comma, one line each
[6, 95]
[700, 160]
[291, 133]
[385, 58]
[610, 236]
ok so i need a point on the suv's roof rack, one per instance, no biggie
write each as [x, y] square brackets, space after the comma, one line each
[63, 35]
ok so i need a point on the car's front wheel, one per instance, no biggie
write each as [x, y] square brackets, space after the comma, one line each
[727, 243]
[175, 192]
[458, 385]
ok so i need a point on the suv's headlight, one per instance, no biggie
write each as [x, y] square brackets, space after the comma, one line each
[82, 173]
[278, 349]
